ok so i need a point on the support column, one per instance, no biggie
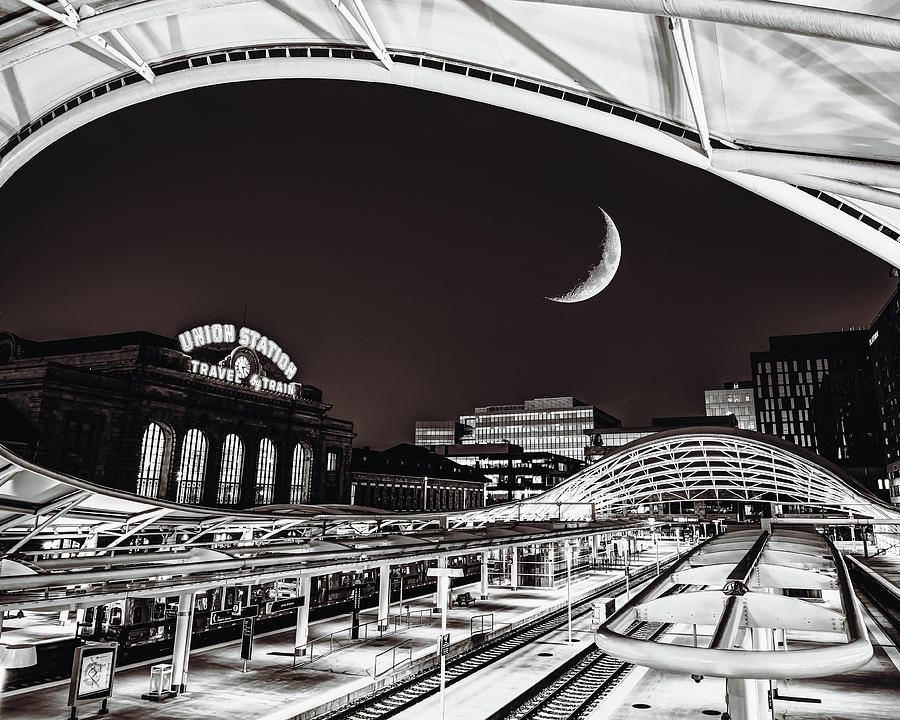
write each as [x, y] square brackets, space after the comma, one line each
[742, 700]
[551, 565]
[187, 646]
[485, 560]
[514, 569]
[595, 550]
[301, 635]
[749, 699]
[384, 596]
[763, 639]
[182, 647]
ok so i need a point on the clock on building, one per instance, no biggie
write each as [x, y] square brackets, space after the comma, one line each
[241, 366]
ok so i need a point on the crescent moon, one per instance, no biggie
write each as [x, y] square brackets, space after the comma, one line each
[600, 275]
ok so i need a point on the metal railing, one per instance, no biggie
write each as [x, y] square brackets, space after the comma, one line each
[481, 622]
[320, 647]
[404, 648]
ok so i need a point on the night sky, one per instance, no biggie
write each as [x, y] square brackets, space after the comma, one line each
[399, 245]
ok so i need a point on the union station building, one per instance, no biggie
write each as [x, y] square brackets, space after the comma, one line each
[217, 416]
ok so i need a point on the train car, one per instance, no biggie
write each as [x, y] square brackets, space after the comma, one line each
[145, 627]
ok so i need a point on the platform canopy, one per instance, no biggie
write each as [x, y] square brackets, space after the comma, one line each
[703, 464]
[747, 588]
[65, 542]
[794, 102]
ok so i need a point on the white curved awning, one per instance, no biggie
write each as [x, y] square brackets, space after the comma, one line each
[692, 90]
[727, 464]
[741, 601]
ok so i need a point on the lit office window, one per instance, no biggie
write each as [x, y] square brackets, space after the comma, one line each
[232, 467]
[331, 465]
[155, 452]
[265, 472]
[192, 473]
[300, 471]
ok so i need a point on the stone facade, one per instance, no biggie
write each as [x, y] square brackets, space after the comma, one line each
[92, 399]
[408, 478]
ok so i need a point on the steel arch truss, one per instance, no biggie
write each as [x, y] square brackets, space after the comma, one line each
[700, 464]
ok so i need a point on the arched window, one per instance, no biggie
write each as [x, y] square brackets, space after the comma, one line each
[232, 467]
[156, 449]
[265, 472]
[192, 473]
[300, 470]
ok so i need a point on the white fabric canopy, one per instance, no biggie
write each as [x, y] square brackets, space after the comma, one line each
[616, 72]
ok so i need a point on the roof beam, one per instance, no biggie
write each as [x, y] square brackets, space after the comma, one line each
[148, 518]
[849, 27]
[70, 18]
[73, 501]
[130, 58]
[366, 30]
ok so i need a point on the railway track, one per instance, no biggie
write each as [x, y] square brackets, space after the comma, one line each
[579, 689]
[411, 690]
[884, 601]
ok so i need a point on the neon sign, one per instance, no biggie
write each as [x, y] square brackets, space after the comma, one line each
[243, 365]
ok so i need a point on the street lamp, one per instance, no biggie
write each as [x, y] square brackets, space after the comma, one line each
[398, 572]
[443, 575]
[656, 545]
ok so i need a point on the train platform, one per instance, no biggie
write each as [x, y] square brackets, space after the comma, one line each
[485, 694]
[277, 688]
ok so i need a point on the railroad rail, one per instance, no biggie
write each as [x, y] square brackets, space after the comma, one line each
[879, 591]
[581, 687]
[414, 688]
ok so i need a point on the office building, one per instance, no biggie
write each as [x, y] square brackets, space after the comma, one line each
[513, 472]
[439, 432]
[218, 417]
[734, 398]
[603, 441]
[818, 391]
[551, 425]
[884, 355]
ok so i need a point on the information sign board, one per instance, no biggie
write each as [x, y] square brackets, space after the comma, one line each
[286, 604]
[247, 630]
[249, 611]
[93, 673]
[445, 644]
[217, 617]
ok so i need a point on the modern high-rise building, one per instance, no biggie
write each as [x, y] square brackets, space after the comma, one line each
[818, 391]
[884, 355]
[734, 398]
[555, 425]
[439, 432]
